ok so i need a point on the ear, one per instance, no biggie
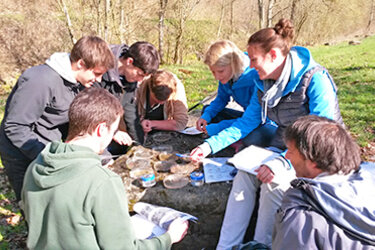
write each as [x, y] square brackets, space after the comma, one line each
[273, 54]
[129, 60]
[101, 129]
[80, 64]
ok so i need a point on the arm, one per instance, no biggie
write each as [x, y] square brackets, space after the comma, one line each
[322, 96]
[217, 105]
[112, 221]
[240, 128]
[27, 105]
[131, 116]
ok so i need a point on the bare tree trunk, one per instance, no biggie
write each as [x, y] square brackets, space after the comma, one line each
[106, 18]
[68, 22]
[122, 29]
[261, 10]
[231, 19]
[163, 8]
[221, 18]
[371, 16]
[269, 14]
[293, 10]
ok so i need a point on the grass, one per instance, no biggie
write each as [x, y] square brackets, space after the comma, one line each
[352, 67]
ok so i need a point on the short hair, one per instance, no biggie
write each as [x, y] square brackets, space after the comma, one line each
[325, 142]
[162, 84]
[281, 36]
[223, 53]
[93, 51]
[145, 56]
[91, 107]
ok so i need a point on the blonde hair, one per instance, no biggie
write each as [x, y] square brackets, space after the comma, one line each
[163, 84]
[223, 53]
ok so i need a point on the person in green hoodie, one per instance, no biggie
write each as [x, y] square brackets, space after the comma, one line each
[70, 201]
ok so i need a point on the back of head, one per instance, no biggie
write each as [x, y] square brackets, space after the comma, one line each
[163, 84]
[324, 142]
[91, 107]
[281, 36]
[223, 53]
[145, 56]
[93, 51]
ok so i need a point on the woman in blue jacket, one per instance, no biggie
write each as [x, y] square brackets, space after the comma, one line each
[230, 66]
[289, 84]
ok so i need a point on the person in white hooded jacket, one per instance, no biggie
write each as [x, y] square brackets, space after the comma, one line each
[36, 111]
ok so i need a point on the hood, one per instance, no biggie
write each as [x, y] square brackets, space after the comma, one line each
[60, 62]
[59, 162]
[113, 75]
[302, 62]
[346, 200]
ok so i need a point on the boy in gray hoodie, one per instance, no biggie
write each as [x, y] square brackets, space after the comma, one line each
[36, 111]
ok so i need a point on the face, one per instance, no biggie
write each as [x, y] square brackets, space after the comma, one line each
[107, 135]
[129, 71]
[262, 62]
[222, 73]
[87, 77]
[302, 166]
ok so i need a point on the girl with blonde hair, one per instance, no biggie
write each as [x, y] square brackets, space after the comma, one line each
[162, 103]
[230, 66]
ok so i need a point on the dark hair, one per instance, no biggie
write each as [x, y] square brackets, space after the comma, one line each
[91, 107]
[324, 142]
[93, 51]
[145, 56]
[281, 36]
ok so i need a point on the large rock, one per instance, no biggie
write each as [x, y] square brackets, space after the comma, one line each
[206, 202]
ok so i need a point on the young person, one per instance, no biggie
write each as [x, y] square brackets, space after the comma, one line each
[36, 111]
[70, 200]
[132, 65]
[230, 66]
[328, 206]
[162, 103]
[289, 84]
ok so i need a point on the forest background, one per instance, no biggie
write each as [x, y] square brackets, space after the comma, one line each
[31, 30]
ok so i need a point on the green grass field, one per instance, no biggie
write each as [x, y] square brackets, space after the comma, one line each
[352, 67]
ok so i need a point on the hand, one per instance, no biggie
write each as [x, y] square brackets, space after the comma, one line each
[265, 174]
[122, 138]
[146, 125]
[178, 229]
[201, 125]
[200, 152]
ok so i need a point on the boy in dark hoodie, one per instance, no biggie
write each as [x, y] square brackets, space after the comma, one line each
[36, 111]
[70, 200]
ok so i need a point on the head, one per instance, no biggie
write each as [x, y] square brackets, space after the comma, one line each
[91, 57]
[94, 112]
[317, 144]
[162, 85]
[139, 61]
[268, 48]
[225, 60]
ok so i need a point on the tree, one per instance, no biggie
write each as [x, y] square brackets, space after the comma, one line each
[68, 22]
[163, 8]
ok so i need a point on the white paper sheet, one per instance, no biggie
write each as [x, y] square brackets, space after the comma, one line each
[216, 170]
[191, 131]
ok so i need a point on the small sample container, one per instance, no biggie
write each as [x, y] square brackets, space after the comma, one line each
[197, 179]
[148, 180]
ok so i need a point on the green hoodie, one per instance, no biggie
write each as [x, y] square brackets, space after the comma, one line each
[72, 202]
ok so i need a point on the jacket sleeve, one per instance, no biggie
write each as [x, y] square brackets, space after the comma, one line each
[299, 229]
[216, 105]
[131, 116]
[322, 96]
[180, 110]
[112, 220]
[240, 128]
[27, 105]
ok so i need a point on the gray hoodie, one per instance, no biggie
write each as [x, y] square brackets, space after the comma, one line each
[36, 111]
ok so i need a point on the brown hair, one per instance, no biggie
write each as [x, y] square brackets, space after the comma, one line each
[163, 84]
[324, 142]
[145, 56]
[91, 107]
[281, 36]
[94, 52]
[224, 52]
